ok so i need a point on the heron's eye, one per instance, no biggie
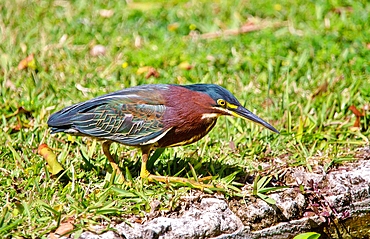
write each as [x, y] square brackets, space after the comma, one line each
[221, 102]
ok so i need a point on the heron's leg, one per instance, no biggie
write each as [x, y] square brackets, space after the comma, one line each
[106, 146]
[145, 174]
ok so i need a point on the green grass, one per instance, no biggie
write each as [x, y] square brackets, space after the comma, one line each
[275, 73]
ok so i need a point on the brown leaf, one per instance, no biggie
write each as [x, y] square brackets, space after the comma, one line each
[358, 115]
[26, 62]
[341, 10]
[53, 166]
[356, 111]
[138, 220]
[64, 228]
[152, 72]
[20, 110]
[232, 145]
[249, 26]
[322, 88]
[185, 65]
[16, 128]
[53, 236]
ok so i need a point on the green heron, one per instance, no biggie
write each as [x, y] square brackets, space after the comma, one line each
[151, 116]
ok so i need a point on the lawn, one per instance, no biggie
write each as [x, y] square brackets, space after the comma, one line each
[304, 67]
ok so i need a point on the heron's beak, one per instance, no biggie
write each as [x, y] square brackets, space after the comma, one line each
[243, 113]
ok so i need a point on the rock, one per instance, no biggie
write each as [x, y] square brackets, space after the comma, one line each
[344, 194]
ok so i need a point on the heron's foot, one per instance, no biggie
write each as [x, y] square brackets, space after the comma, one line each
[169, 179]
[144, 173]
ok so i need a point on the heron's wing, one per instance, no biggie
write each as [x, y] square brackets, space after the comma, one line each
[132, 117]
[126, 123]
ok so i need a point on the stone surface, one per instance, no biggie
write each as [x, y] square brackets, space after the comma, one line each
[344, 193]
[211, 218]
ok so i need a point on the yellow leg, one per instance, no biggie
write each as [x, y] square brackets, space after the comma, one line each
[145, 174]
[106, 146]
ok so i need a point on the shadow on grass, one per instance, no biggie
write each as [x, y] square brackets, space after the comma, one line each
[185, 167]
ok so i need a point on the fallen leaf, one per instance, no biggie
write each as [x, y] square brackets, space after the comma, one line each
[53, 165]
[356, 111]
[28, 62]
[16, 128]
[358, 115]
[249, 26]
[267, 102]
[152, 72]
[173, 27]
[185, 65]
[321, 89]
[341, 10]
[53, 236]
[20, 124]
[20, 110]
[232, 145]
[64, 228]
[142, 70]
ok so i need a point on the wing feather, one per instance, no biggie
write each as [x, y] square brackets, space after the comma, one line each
[131, 117]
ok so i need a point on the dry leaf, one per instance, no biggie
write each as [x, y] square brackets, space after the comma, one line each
[20, 110]
[64, 228]
[249, 26]
[28, 62]
[53, 165]
[358, 115]
[142, 70]
[53, 236]
[322, 88]
[341, 10]
[356, 111]
[19, 125]
[185, 65]
[232, 145]
[173, 27]
[152, 72]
